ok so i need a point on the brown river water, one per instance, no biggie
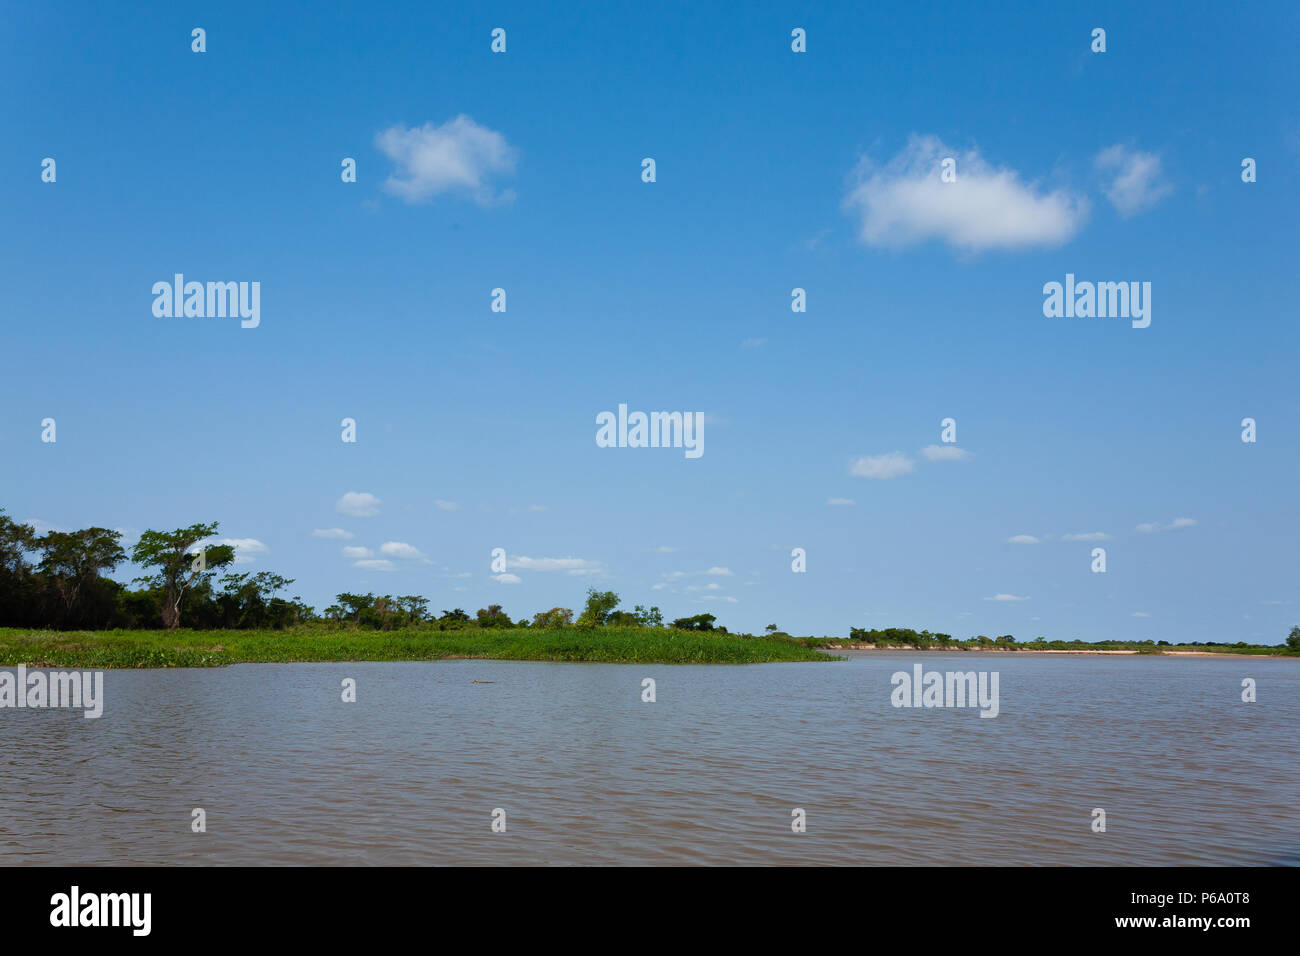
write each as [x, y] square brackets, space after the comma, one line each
[588, 773]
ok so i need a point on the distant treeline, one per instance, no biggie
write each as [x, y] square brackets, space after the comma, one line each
[56, 581]
[906, 637]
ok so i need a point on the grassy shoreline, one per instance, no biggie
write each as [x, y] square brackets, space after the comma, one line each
[183, 648]
[609, 645]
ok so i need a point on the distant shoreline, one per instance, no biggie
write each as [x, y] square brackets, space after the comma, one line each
[1022, 649]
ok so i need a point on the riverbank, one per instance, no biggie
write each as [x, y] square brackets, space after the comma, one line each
[1176, 651]
[183, 648]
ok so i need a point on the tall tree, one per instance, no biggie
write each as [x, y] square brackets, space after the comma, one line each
[74, 559]
[179, 569]
[19, 591]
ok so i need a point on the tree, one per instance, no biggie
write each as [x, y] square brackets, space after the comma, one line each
[771, 629]
[73, 560]
[16, 540]
[648, 617]
[415, 607]
[19, 588]
[248, 600]
[173, 554]
[600, 605]
[1293, 639]
[555, 617]
[700, 622]
[493, 616]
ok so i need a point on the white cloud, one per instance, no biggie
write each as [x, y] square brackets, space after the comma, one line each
[1087, 536]
[358, 504]
[399, 549]
[753, 343]
[713, 586]
[945, 453]
[1175, 525]
[1022, 539]
[353, 551]
[460, 155]
[1135, 184]
[839, 502]
[445, 505]
[723, 572]
[379, 564]
[1005, 597]
[337, 534]
[507, 578]
[885, 466]
[538, 508]
[1141, 614]
[665, 549]
[905, 202]
[571, 565]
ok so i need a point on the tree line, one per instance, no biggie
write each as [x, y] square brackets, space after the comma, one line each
[59, 581]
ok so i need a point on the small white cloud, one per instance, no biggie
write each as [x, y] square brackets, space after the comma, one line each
[445, 505]
[882, 467]
[1022, 539]
[723, 572]
[356, 551]
[664, 549]
[399, 549]
[1087, 536]
[1135, 183]
[753, 343]
[538, 508]
[945, 453]
[358, 504]
[1005, 597]
[906, 202]
[378, 564]
[1141, 614]
[839, 502]
[1175, 525]
[507, 578]
[458, 156]
[337, 534]
[713, 586]
[571, 565]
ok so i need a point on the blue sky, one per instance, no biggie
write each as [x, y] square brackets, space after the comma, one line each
[775, 170]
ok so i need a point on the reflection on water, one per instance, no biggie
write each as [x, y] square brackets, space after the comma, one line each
[588, 774]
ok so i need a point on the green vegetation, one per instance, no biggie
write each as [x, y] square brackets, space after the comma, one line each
[184, 648]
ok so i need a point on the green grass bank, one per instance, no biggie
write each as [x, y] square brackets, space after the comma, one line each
[184, 648]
